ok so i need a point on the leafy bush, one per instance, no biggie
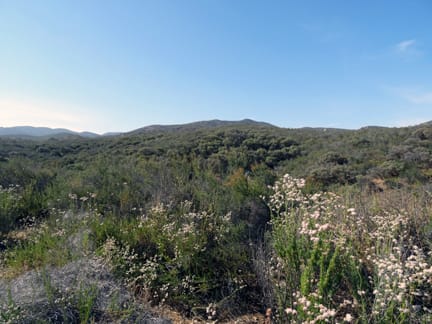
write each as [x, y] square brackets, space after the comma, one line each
[176, 256]
[19, 205]
[9, 202]
[331, 263]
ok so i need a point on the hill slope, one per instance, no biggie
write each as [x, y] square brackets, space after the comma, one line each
[29, 131]
[325, 156]
[191, 216]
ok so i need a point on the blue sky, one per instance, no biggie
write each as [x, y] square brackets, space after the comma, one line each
[119, 65]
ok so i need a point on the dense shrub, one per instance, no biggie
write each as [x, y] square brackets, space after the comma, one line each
[332, 262]
[179, 215]
[176, 256]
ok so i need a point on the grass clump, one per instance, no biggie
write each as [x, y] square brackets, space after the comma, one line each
[48, 243]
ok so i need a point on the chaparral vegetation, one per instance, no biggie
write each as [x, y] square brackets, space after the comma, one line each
[218, 222]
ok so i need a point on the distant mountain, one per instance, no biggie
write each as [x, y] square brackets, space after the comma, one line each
[29, 131]
[43, 132]
[112, 134]
[198, 125]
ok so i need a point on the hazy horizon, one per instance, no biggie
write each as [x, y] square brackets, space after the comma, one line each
[196, 121]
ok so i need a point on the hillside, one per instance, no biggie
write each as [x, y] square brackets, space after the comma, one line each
[203, 125]
[218, 220]
[325, 156]
[29, 131]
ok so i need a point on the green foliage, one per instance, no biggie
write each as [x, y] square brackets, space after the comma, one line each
[10, 312]
[9, 202]
[310, 253]
[133, 189]
[177, 256]
[45, 244]
[23, 200]
[331, 263]
[86, 302]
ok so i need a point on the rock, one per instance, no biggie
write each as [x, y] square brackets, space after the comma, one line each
[59, 295]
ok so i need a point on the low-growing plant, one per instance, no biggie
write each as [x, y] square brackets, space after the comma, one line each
[9, 203]
[47, 243]
[176, 256]
[85, 299]
[10, 312]
[331, 263]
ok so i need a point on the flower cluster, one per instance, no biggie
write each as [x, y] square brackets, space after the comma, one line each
[162, 254]
[211, 311]
[402, 271]
[325, 251]
[311, 237]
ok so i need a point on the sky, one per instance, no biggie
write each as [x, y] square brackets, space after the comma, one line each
[105, 65]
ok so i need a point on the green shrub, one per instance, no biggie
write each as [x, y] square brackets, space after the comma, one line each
[176, 256]
[331, 263]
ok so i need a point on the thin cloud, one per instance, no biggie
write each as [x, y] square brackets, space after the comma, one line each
[406, 45]
[408, 49]
[418, 95]
[415, 96]
[420, 98]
